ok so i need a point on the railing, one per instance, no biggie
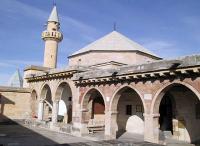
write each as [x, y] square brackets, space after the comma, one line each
[52, 35]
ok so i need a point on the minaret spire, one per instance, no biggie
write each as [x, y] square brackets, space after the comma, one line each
[114, 26]
[54, 2]
[53, 17]
[52, 36]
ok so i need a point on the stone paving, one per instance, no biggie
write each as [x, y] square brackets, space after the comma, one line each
[17, 135]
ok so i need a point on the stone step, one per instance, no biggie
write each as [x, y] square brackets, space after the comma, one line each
[35, 123]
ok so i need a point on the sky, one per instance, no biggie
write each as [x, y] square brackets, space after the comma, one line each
[168, 28]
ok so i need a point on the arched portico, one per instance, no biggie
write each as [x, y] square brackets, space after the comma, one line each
[45, 103]
[64, 97]
[93, 110]
[176, 105]
[126, 112]
[34, 103]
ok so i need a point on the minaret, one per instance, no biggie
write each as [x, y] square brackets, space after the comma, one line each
[52, 37]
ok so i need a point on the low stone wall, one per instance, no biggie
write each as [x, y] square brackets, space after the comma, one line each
[14, 103]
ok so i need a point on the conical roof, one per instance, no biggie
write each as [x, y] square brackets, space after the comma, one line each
[16, 80]
[54, 15]
[114, 41]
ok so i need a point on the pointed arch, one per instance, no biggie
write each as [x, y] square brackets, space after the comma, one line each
[45, 90]
[59, 89]
[115, 97]
[160, 93]
[64, 95]
[175, 103]
[34, 103]
[129, 107]
[47, 102]
[93, 109]
[88, 94]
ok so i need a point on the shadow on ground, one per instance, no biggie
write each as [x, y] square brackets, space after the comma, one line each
[14, 134]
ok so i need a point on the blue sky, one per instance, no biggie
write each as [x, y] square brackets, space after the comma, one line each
[169, 28]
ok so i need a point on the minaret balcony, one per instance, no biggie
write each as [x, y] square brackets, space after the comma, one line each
[52, 35]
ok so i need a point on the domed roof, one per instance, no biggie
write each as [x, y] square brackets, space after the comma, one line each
[114, 41]
[16, 80]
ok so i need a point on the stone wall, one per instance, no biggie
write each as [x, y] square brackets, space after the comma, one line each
[93, 58]
[15, 103]
[186, 124]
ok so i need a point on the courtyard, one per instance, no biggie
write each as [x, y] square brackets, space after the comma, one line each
[20, 135]
[99, 87]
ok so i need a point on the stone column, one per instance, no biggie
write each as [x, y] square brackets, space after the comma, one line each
[111, 127]
[40, 110]
[151, 128]
[55, 109]
[84, 121]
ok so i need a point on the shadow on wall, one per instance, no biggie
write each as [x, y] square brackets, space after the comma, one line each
[15, 133]
[3, 101]
[179, 112]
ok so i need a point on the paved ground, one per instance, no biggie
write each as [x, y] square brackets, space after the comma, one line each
[16, 135]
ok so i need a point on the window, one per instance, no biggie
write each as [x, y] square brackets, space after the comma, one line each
[128, 109]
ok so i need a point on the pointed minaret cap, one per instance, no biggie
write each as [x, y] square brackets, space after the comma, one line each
[15, 80]
[54, 15]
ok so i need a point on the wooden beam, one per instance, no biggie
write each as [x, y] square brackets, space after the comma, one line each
[135, 77]
[172, 73]
[195, 70]
[183, 71]
[152, 75]
[161, 74]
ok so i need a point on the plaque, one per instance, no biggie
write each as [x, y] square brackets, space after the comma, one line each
[148, 96]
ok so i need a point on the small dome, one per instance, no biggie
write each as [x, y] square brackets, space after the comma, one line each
[16, 80]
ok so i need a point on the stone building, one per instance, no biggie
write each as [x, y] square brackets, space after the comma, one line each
[115, 85]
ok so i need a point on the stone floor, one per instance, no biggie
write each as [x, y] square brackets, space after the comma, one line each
[17, 135]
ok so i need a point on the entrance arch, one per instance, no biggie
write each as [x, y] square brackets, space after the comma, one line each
[93, 109]
[129, 106]
[34, 104]
[64, 95]
[178, 106]
[46, 98]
